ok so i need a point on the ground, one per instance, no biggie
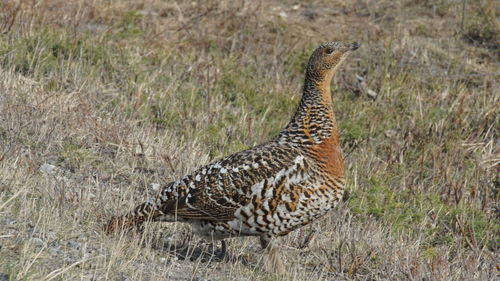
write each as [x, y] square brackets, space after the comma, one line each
[102, 102]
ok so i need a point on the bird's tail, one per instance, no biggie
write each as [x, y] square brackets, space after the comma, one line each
[142, 213]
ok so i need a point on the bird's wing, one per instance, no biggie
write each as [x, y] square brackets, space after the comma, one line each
[216, 191]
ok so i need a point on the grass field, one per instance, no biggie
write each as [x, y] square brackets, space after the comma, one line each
[101, 102]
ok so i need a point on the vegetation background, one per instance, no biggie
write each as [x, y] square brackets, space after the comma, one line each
[102, 102]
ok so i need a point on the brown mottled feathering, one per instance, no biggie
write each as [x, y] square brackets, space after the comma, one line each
[270, 189]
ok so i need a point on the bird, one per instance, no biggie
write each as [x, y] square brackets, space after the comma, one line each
[272, 188]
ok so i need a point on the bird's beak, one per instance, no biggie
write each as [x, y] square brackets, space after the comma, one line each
[354, 46]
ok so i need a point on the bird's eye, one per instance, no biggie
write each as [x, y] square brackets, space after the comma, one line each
[328, 51]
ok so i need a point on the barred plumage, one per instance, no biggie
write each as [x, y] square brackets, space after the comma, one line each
[270, 189]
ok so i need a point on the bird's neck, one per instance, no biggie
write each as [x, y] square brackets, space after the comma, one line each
[317, 86]
[314, 126]
[314, 121]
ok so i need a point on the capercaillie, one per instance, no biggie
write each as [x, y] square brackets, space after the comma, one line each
[272, 188]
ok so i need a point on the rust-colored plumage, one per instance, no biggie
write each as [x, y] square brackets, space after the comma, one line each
[270, 189]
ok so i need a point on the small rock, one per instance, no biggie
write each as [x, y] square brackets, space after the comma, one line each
[47, 169]
[390, 133]
[369, 92]
[4, 277]
[155, 186]
[74, 245]
[56, 251]
[37, 242]
[51, 235]
[7, 220]
[93, 27]
[51, 170]
[148, 13]
[55, 244]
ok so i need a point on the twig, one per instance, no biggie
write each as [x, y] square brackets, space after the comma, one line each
[464, 3]
[12, 19]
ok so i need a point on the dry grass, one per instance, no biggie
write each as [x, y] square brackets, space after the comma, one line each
[100, 101]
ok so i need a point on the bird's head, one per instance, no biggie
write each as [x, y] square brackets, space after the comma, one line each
[327, 58]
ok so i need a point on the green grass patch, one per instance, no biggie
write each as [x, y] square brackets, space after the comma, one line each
[73, 156]
[129, 27]
[47, 51]
[416, 212]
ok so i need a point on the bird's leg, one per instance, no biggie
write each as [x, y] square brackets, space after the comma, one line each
[222, 253]
[307, 240]
[218, 254]
[272, 259]
[176, 246]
